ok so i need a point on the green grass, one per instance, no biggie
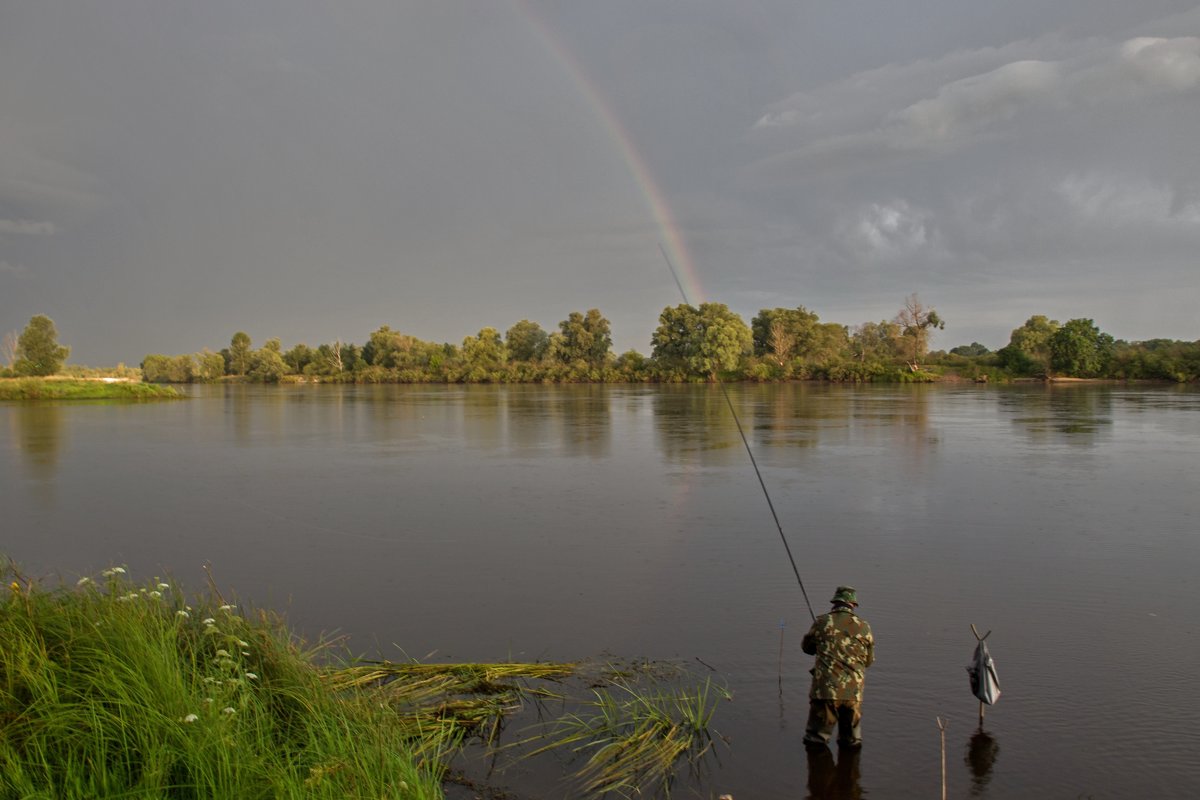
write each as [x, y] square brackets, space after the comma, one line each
[67, 389]
[113, 689]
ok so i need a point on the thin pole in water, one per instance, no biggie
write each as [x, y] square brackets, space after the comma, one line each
[749, 451]
[942, 727]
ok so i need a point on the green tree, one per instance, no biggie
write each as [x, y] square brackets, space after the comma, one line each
[700, 341]
[298, 358]
[267, 364]
[875, 341]
[38, 350]
[585, 337]
[210, 366]
[1028, 349]
[780, 333]
[970, 350]
[1081, 349]
[526, 341]
[239, 353]
[483, 355]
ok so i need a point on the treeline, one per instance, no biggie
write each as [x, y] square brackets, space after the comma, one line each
[694, 343]
[1045, 348]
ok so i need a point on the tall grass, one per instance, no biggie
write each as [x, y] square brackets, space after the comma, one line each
[114, 689]
[111, 690]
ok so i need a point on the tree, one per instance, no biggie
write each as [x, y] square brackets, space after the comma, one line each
[1079, 348]
[700, 341]
[267, 364]
[1028, 349]
[585, 337]
[972, 349]
[38, 351]
[773, 327]
[916, 321]
[483, 354]
[298, 358]
[8, 349]
[875, 341]
[210, 366]
[526, 341]
[239, 353]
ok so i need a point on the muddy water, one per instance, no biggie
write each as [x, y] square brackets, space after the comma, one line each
[484, 523]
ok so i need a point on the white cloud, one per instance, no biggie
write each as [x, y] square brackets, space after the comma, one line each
[1114, 200]
[26, 227]
[1171, 64]
[979, 101]
[948, 103]
[885, 230]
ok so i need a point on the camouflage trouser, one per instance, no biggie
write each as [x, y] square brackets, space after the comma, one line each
[823, 715]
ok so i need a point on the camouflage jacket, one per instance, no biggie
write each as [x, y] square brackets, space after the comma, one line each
[844, 646]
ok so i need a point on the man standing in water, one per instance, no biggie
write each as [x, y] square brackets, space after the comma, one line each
[844, 646]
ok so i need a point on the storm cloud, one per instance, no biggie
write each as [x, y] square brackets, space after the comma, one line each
[173, 172]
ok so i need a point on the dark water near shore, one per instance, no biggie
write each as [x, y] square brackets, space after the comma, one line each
[488, 523]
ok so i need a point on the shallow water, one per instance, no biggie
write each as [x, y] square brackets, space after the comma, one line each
[488, 523]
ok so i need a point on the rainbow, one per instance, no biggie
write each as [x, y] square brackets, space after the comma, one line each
[673, 242]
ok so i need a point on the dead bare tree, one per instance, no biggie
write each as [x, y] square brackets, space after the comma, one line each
[8, 348]
[915, 320]
[335, 350]
[781, 341]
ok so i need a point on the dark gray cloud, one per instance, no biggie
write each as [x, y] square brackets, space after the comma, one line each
[173, 172]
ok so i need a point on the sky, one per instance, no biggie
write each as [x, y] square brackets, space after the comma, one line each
[173, 172]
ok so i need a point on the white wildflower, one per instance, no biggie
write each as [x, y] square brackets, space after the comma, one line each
[243, 644]
[191, 718]
[209, 621]
[251, 676]
[108, 573]
[156, 595]
[164, 586]
[207, 701]
[227, 710]
[228, 607]
[182, 613]
[245, 652]
[222, 654]
[84, 581]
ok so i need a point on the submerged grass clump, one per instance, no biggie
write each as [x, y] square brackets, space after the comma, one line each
[113, 689]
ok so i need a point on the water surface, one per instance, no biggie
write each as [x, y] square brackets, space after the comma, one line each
[488, 523]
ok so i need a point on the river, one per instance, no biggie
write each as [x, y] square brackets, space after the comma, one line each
[544, 523]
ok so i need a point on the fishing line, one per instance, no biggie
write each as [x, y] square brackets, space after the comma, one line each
[749, 451]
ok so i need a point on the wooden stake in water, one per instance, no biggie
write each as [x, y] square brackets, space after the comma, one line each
[942, 727]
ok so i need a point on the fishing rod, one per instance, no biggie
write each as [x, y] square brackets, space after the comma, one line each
[749, 451]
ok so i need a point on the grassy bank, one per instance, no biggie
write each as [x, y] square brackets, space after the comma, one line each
[68, 389]
[113, 689]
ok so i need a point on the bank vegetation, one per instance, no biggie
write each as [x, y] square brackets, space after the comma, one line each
[111, 688]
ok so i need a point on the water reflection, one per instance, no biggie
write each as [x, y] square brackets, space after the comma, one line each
[981, 757]
[829, 780]
[1069, 413]
[693, 425]
[38, 431]
[577, 418]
